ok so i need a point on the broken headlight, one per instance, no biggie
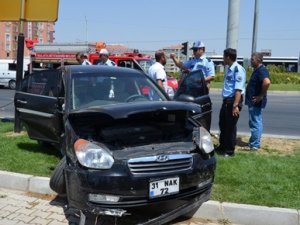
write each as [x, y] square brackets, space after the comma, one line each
[203, 139]
[93, 156]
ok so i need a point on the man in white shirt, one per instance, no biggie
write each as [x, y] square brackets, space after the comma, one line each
[80, 57]
[157, 71]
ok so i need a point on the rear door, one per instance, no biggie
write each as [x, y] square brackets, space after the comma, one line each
[193, 88]
[38, 105]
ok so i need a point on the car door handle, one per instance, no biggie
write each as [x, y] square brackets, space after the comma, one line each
[21, 101]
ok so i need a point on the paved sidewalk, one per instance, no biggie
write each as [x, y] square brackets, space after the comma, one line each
[55, 212]
[21, 208]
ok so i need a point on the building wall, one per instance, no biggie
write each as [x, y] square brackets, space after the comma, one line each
[9, 31]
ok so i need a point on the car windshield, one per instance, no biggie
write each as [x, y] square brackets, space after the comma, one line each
[145, 64]
[94, 89]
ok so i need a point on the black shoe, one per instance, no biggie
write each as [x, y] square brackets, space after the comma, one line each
[219, 150]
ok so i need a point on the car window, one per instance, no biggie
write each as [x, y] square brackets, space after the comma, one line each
[145, 64]
[193, 84]
[41, 83]
[90, 90]
[125, 63]
[12, 66]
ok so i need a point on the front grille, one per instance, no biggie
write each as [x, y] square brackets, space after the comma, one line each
[160, 164]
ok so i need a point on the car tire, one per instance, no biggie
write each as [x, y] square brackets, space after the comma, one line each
[44, 144]
[57, 181]
[12, 84]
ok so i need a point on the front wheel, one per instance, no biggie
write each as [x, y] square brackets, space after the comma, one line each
[57, 181]
[12, 84]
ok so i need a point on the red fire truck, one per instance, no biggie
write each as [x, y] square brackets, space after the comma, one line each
[55, 55]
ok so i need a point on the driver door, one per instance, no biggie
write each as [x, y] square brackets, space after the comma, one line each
[38, 105]
[193, 88]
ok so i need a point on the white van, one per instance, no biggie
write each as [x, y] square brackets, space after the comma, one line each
[8, 72]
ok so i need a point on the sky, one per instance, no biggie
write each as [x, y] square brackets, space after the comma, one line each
[156, 24]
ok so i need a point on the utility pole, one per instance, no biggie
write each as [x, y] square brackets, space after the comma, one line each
[298, 70]
[20, 59]
[86, 30]
[255, 25]
[233, 20]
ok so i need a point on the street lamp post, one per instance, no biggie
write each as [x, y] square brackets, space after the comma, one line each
[233, 19]
[255, 25]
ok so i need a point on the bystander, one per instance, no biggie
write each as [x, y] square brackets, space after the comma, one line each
[256, 99]
[81, 59]
[157, 71]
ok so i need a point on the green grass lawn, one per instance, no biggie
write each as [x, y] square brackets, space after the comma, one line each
[268, 177]
[251, 178]
[20, 154]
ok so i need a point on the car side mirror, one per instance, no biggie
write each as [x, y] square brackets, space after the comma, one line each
[184, 98]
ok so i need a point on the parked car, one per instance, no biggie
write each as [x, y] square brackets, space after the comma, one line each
[8, 69]
[126, 145]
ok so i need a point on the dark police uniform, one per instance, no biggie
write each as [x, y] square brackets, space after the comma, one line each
[234, 79]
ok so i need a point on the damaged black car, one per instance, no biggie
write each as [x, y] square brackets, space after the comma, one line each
[126, 146]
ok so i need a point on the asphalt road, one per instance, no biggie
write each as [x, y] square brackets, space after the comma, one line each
[6, 102]
[281, 116]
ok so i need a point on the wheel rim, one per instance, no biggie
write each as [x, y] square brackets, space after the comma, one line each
[12, 84]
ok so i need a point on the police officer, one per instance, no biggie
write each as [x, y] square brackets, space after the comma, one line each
[199, 62]
[104, 60]
[232, 93]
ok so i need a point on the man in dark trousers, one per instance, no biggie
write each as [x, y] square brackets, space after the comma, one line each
[256, 99]
[232, 93]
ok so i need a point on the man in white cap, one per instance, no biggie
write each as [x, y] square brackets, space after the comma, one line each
[199, 62]
[103, 57]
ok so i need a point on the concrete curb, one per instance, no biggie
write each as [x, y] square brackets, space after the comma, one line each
[248, 134]
[26, 183]
[212, 210]
[248, 214]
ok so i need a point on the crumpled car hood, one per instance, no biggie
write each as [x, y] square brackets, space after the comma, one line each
[123, 110]
[126, 126]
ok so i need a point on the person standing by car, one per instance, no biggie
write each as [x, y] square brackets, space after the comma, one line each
[256, 99]
[103, 57]
[232, 93]
[157, 71]
[81, 59]
[199, 62]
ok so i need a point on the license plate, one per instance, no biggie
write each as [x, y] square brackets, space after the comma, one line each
[163, 187]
